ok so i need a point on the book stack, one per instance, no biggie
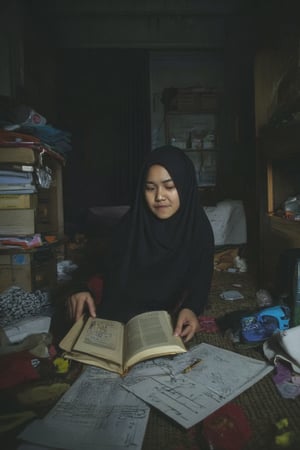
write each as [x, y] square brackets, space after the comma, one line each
[32, 155]
[18, 199]
[29, 211]
[30, 186]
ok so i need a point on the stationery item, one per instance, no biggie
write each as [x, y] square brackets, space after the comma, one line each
[116, 347]
[191, 366]
[95, 413]
[195, 394]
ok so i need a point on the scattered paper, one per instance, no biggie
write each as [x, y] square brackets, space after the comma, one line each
[96, 412]
[190, 397]
[25, 327]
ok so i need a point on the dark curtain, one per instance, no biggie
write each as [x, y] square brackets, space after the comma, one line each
[104, 102]
[135, 126]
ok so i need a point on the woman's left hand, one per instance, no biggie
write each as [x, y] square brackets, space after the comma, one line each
[187, 324]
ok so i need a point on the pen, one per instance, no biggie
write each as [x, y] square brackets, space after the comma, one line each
[191, 366]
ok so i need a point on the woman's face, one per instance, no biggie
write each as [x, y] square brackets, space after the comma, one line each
[160, 192]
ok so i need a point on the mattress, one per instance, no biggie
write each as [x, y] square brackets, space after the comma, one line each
[227, 219]
[228, 222]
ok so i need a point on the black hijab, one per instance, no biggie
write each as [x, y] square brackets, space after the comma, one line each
[155, 260]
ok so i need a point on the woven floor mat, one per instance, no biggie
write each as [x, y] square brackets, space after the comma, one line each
[262, 403]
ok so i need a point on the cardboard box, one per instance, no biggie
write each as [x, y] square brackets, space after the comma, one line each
[32, 270]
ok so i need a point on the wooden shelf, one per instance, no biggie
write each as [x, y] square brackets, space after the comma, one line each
[290, 229]
[281, 142]
[196, 134]
[280, 179]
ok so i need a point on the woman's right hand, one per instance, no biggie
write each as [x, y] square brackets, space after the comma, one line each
[77, 303]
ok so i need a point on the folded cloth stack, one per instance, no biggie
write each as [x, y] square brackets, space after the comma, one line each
[16, 303]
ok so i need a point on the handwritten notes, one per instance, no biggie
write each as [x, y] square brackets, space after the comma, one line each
[95, 411]
[190, 397]
[100, 406]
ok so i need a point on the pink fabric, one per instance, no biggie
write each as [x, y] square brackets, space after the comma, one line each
[208, 324]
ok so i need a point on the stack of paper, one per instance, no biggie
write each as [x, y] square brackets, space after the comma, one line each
[16, 182]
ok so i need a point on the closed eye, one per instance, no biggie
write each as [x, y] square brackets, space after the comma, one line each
[149, 187]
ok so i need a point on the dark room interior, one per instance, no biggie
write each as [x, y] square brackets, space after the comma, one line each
[116, 80]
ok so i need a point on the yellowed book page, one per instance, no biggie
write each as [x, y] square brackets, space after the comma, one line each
[103, 339]
[71, 337]
[95, 361]
[150, 335]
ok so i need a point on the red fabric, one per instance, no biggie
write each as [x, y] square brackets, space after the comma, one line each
[208, 324]
[95, 285]
[17, 368]
[227, 428]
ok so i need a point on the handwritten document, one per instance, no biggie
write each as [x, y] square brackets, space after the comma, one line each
[100, 411]
[96, 412]
[189, 396]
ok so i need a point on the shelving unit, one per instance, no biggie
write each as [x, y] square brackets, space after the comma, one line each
[35, 268]
[50, 210]
[196, 135]
[191, 121]
[279, 150]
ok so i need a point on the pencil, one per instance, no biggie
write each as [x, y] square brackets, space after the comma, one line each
[191, 366]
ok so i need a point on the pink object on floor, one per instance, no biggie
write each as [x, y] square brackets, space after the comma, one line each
[208, 324]
[227, 428]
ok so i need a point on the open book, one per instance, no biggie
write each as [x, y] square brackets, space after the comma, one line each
[116, 347]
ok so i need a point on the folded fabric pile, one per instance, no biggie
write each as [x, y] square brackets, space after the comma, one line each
[283, 350]
[16, 304]
[34, 127]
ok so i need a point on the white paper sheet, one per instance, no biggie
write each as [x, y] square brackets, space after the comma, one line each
[96, 412]
[21, 329]
[189, 398]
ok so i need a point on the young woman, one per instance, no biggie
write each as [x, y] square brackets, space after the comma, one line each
[162, 250]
